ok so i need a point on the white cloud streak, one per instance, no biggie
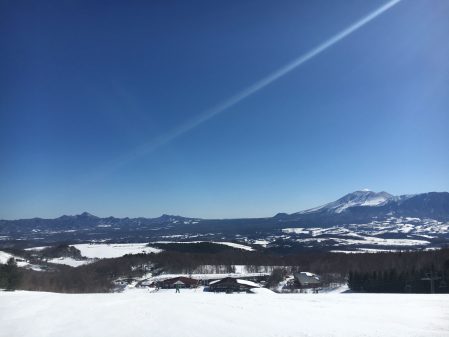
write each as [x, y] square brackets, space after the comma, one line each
[149, 147]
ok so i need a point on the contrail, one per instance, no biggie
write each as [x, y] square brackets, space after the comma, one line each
[259, 85]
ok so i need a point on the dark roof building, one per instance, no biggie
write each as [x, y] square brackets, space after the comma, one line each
[307, 280]
[180, 282]
[230, 285]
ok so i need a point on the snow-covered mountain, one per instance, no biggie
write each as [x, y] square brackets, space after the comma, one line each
[361, 218]
[357, 198]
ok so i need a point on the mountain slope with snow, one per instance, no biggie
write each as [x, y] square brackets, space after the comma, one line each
[363, 219]
[357, 198]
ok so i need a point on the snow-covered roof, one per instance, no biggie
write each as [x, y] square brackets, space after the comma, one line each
[180, 280]
[213, 282]
[248, 283]
[307, 278]
[238, 281]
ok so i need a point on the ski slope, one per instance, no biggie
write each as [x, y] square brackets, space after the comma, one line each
[193, 313]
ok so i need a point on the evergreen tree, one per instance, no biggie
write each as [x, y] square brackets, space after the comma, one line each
[9, 275]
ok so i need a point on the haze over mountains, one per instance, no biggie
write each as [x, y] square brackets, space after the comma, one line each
[420, 220]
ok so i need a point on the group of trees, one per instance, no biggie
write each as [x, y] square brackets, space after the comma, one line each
[9, 275]
[431, 279]
[380, 272]
[416, 272]
[276, 276]
[95, 277]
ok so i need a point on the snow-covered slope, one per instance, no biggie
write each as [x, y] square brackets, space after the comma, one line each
[140, 313]
[112, 250]
[357, 198]
[4, 257]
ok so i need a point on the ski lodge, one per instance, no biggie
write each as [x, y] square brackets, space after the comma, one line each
[181, 282]
[306, 280]
[230, 285]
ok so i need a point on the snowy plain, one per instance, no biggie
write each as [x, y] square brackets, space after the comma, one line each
[192, 313]
[112, 250]
[69, 261]
[224, 243]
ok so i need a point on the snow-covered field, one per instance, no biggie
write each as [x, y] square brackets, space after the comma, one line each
[229, 244]
[113, 250]
[4, 257]
[195, 313]
[69, 261]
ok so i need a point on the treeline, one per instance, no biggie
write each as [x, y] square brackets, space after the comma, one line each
[89, 278]
[9, 275]
[63, 250]
[317, 262]
[420, 272]
[417, 272]
[391, 281]
[379, 272]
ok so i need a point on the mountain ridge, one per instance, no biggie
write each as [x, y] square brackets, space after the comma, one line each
[366, 198]
[413, 218]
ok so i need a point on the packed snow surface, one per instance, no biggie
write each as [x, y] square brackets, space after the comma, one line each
[141, 313]
[112, 250]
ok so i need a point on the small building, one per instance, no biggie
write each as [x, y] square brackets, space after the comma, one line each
[306, 280]
[231, 284]
[180, 282]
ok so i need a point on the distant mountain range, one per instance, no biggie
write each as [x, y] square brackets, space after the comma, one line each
[419, 217]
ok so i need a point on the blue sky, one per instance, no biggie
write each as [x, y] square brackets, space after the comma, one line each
[86, 85]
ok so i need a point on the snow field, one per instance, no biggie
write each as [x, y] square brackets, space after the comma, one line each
[113, 250]
[70, 261]
[229, 244]
[4, 257]
[194, 313]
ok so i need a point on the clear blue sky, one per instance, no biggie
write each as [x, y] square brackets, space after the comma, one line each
[85, 85]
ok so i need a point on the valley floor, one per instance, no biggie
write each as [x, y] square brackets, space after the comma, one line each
[196, 313]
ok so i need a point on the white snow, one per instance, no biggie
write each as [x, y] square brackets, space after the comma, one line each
[204, 276]
[141, 313]
[364, 197]
[414, 232]
[364, 250]
[213, 282]
[262, 243]
[234, 245]
[369, 240]
[262, 291]
[236, 268]
[37, 248]
[69, 261]
[230, 244]
[4, 257]
[309, 274]
[248, 283]
[113, 250]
